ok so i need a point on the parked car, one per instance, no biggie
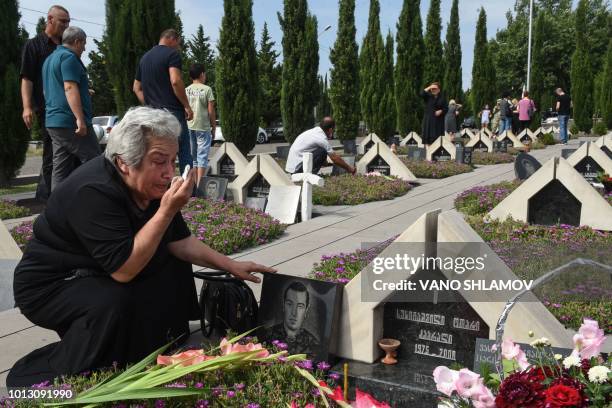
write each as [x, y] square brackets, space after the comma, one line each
[262, 136]
[106, 123]
[275, 132]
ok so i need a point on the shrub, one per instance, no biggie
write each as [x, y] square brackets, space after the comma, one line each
[574, 129]
[435, 170]
[482, 199]
[600, 129]
[547, 139]
[23, 233]
[485, 158]
[10, 209]
[348, 189]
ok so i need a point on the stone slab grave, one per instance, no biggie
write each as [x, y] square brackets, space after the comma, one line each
[283, 203]
[441, 150]
[227, 162]
[525, 165]
[590, 160]
[337, 170]
[481, 143]
[255, 180]
[431, 332]
[605, 144]
[381, 159]
[10, 255]
[527, 137]
[556, 193]
[367, 143]
[412, 139]
[509, 139]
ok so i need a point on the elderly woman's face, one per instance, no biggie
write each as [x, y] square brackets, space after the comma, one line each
[150, 180]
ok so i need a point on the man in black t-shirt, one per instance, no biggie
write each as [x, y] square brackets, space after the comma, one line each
[159, 84]
[35, 52]
[564, 104]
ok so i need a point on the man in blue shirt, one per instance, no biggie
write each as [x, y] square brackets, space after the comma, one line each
[68, 106]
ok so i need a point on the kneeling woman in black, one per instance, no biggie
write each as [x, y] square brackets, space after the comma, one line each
[109, 267]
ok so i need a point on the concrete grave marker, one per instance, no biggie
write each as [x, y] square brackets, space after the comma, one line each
[368, 142]
[556, 192]
[308, 180]
[412, 139]
[527, 137]
[590, 160]
[467, 134]
[380, 158]
[509, 139]
[481, 143]
[441, 150]
[486, 132]
[10, 255]
[605, 144]
[525, 165]
[227, 162]
[283, 203]
[255, 181]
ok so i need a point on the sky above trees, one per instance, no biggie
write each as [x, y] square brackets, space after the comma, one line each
[210, 12]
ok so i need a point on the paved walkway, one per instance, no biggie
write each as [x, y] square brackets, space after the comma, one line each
[340, 229]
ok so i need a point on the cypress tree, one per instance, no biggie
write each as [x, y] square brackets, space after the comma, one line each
[103, 102]
[269, 78]
[344, 89]
[13, 133]
[385, 111]
[483, 84]
[201, 51]
[606, 84]
[299, 91]
[41, 24]
[237, 76]
[538, 92]
[132, 28]
[453, 73]
[581, 76]
[370, 71]
[409, 68]
[433, 67]
[324, 104]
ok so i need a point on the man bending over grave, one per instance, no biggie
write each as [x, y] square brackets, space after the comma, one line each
[315, 141]
[110, 265]
[296, 302]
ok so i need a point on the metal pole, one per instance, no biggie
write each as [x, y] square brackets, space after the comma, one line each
[529, 46]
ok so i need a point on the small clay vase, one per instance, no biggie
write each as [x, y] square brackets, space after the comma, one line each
[389, 346]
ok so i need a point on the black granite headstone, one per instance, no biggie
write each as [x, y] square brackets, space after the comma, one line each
[526, 139]
[282, 152]
[256, 203]
[380, 165]
[525, 165]
[350, 146]
[589, 169]
[212, 188]
[258, 187]
[480, 147]
[565, 153]
[441, 154]
[553, 205]
[412, 142]
[467, 155]
[227, 168]
[500, 147]
[337, 170]
[416, 153]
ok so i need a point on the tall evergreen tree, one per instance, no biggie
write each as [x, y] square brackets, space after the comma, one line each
[369, 68]
[385, 114]
[581, 75]
[483, 77]
[132, 28]
[409, 67]
[269, 78]
[201, 52]
[103, 102]
[41, 24]
[324, 104]
[433, 67]
[300, 43]
[538, 92]
[605, 98]
[13, 133]
[344, 89]
[237, 77]
[453, 73]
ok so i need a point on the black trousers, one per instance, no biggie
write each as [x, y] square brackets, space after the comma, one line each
[43, 189]
[319, 157]
[102, 322]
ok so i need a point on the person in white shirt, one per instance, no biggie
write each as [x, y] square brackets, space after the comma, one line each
[315, 141]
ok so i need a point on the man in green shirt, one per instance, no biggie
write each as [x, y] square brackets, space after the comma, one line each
[202, 126]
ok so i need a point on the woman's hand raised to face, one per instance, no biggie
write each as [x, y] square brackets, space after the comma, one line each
[177, 195]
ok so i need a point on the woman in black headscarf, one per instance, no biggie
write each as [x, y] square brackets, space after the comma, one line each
[435, 110]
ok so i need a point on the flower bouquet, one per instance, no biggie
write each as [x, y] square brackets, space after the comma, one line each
[583, 379]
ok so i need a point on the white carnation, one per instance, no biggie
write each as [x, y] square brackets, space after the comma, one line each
[541, 342]
[599, 374]
[571, 361]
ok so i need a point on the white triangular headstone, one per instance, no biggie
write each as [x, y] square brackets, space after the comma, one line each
[367, 142]
[397, 168]
[220, 165]
[589, 160]
[480, 140]
[412, 139]
[507, 134]
[439, 143]
[261, 165]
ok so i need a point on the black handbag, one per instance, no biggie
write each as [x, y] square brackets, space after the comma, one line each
[226, 303]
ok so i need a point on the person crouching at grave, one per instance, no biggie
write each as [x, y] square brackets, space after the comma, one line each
[315, 141]
[110, 265]
[435, 110]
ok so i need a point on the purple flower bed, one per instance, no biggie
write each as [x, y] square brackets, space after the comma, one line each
[350, 189]
[228, 227]
[485, 158]
[480, 200]
[23, 233]
[435, 170]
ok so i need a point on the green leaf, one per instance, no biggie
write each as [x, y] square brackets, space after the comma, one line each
[159, 392]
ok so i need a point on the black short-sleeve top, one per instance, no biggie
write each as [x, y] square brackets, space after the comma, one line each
[88, 227]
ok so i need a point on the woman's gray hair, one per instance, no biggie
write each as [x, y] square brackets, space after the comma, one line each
[129, 139]
[73, 34]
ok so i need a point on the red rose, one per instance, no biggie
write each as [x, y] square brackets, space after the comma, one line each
[520, 390]
[562, 396]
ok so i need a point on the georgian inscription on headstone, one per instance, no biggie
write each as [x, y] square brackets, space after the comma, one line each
[441, 154]
[227, 168]
[553, 205]
[434, 334]
[258, 187]
[525, 165]
[380, 165]
[589, 169]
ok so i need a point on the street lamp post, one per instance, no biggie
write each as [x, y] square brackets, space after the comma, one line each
[529, 46]
[314, 110]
